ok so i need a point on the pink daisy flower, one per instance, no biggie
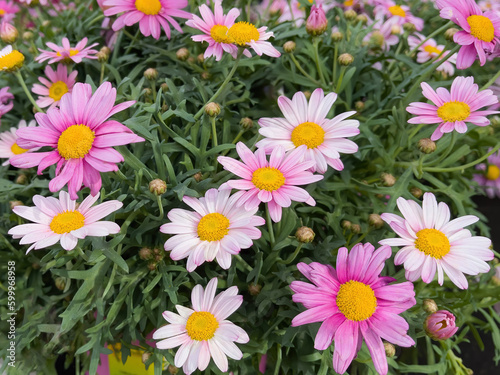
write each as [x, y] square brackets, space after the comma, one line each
[434, 243]
[245, 34]
[481, 30]
[8, 145]
[57, 84]
[306, 124]
[452, 109]
[400, 13]
[215, 27]
[384, 35]
[354, 303]
[217, 229]
[66, 53]
[6, 103]
[58, 220]
[204, 332]
[81, 137]
[8, 10]
[489, 179]
[152, 15]
[430, 50]
[273, 182]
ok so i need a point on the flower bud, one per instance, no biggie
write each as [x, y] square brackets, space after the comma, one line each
[205, 76]
[429, 306]
[200, 58]
[375, 221]
[362, 18]
[350, 14]
[416, 192]
[346, 59]
[145, 253]
[60, 283]
[8, 33]
[164, 108]
[106, 50]
[305, 234]
[145, 357]
[359, 106]
[254, 289]
[21, 179]
[409, 27]
[212, 109]
[148, 92]
[388, 179]
[356, 228]
[426, 145]
[450, 33]
[377, 39]
[164, 87]
[390, 350]
[289, 46]
[346, 224]
[102, 57]
[151, 74]
[15, 204]
[440, 325]
[246, 123]
[158, 187]
[198, 177]
[28, 35]
[395, 29]
[152, 266]
[316, 23]
[337, 36]
[172, 370]
[46, 23]
[182, 54]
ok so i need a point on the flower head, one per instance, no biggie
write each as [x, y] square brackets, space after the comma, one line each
[204, 332]
[216, 230]
[489, 179]
[316, 23]
[273, 182]
[430, 50]
[67, 54]
[245, 34]
[6, 103]
[353, 302]
[440, 325]
[8, 145]
[434, 243]
[306, 124]
[8, 10]
[400, 13]
[57, 84]
[10, 59]
[58, 220]
[452, 109]
[81, 138]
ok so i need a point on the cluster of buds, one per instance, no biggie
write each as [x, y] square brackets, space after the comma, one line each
[154, 256]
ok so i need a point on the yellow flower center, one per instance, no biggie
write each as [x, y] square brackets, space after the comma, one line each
[454, 111]
[67, 221]
[268, 178]
[219, 34]
[348, 3]
[481, 27]
[57, 90]
[308, 133]
[356, 300]
[12, 61]
[75, 142]
[493, 172]
[432, 242]
[150, 7]
[396, 10]
[431, 49]
[201, 325]
[17, 150]
[242, 33]
[213, 227]
[72, 52]
[2, 12]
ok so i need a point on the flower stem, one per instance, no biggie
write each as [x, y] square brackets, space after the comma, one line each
[432, 35]
[304, 73]
[103, 68]
[160, 206]
[214, 132]
[270, 226]
[341, 78]
[292, 257]
[27, 92]
[318, 62]
[335, 58]
[491, 81]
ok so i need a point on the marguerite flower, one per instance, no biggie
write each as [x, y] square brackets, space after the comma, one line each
[490, 178]
[8, 10]
[451, 110]
[81, 137]
[151, 15]
[57, 84]
[217, 229]
[245, 34]
[273, 182]
[8, 145]
[354, 303]
[434, 243]
[203, 331]
[430, 50]
[67, 54]
[400, 13]
[215, 26]
[6, 103]
[306, 124]
[58, 220]
[10, 59]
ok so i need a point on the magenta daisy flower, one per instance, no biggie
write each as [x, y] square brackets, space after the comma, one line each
[430, 50]
[58, 220]
[8, 145]
[481, 30]
[204, 332]
[490, 178]
[215, 27]
[152, 15]
[306, 124]
[400, 13]
[452, 109]
[245, 34]
[217, 229]
[6, 103]
[354, 303]
[8, 10]
[57, 84]
[67, 54]
[81, 137]
[434, 243]
[273, 182]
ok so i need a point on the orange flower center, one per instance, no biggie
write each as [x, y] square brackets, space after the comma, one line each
[481, 27]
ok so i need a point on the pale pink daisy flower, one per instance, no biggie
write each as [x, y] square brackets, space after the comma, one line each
[489, 179]
[452, 109]
[8, 10]
[434, 243]
[384, 35]
[430, 50]
[57, 84]
[67, 54]
[58, 220]
[204, 332]
[273, 182]
[489, 5]
[8, 145]
[81, 138]
[245, 34]
[400, 13]
[306, 124]
[6, 103]
[353, 302]
[152, 15]
[481, 30]
[216, 230]
[215, 26]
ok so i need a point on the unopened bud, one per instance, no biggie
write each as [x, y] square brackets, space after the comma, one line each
[46, 23]
[450, 33]
[346, 59]
[346, 224]
[182, 54]
[316, 23]
[212, 109]
[145, 253]
[8, 33]
[102, 57]
[200, 58]
[289, 46]
[429, 306]
[337, 36]
[254, 289]
[350, 14]
[362, 18]
[148, 91]
[21, 179]
[191, 60]
[60, 283]
[246, 123]
[395, 29]
[356, 228]
[164, 87]
[375, 221]
[359, 106]
[440, 325]
[145, 357]
[151, 74]
[426, 145]
[164, 108]
[198, 177]
[158, 187]
[15, 204]
[305, 234]
[28, 35]
[172, 370]
[390, 350]
[409, 27]
[206, 76]
[151, 266]
[377, 39]
[388, 179]
[106, 50]
[416, 192]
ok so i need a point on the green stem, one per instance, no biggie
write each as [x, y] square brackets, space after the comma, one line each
[318, 62]
[304, 73]
[238, 136]
[160, 206]
[432, 35]
[278, 360]
[117, 46]
[292, 257]
[103, 68]
[491, 81]
[270, 226]
[447, 151]
[335, 58]
[96, 19]
[133, 37]
[339, 82]
[27, 92]
[214, 132]
[242, 262]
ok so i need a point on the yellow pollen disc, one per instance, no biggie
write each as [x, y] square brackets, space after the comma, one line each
[432, 242]
[481, 27]
[431, 49]
[150, 7]
[454, 111]
[219, 34]
[493, 172]
[72, 52]
[268, 178]
[75, 142]
[396, 10]
[18, 150]
[67, 221]
[213, 227]
[57, 90]
[201, 325]
[12, 61]
[356, 300]
[242, 33]
[348, 3]
[308, 133]
[2, 12]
